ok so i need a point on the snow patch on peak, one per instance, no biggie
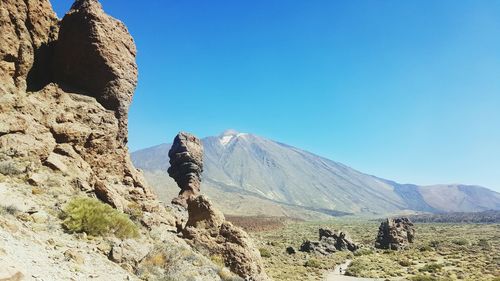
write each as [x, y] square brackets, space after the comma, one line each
[230, 132]
[229, 135]
[224, 140]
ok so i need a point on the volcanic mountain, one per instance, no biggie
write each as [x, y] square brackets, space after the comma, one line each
[249, 174]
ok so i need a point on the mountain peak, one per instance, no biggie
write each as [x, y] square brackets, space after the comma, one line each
[228, 135]
[229, 132]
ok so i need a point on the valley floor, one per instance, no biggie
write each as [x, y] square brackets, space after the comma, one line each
[441, 252]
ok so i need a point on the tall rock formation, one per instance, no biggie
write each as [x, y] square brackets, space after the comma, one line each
[96, 54]
[186, 166]
[395, 234]
[206, 227]
[64, 97]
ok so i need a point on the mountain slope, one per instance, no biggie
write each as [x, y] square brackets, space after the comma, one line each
[253, 166]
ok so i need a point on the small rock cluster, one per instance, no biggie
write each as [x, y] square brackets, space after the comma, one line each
[329, 242]
[395, 234]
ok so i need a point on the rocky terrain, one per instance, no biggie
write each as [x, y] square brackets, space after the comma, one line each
[65, 89]
[275, 179]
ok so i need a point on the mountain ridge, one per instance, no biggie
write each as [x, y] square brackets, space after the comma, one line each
[288, 175]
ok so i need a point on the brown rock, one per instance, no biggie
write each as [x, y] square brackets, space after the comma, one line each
[207, 228]
[186, 166]
[395, 234]
[96, 54]
[75, 256]
[25, 27]
[79, 132]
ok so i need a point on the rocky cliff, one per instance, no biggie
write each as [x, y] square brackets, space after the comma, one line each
[65, 89]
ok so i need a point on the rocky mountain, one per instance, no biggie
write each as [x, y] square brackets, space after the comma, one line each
[283, 180]
[65, 88]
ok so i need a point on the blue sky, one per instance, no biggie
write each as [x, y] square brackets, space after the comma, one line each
[405, 90]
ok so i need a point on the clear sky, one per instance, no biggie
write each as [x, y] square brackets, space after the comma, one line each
[405, 90]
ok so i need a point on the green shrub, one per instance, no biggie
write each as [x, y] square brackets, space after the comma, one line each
[135, 211]
[423, 278]
[95, 218]
[405, 262]
[264, 253]
[461, 242]
[362, 252]
[434, 243]
[484, 244]
[425, 249]
[432, 267]
[312, 263]
[356, 268]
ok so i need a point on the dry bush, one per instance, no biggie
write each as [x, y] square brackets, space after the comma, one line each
[96, 218]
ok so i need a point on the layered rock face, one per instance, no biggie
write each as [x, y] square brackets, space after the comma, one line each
[64, 95]
[206, 227]
[329, 242]
[395, 234]
[186, 166]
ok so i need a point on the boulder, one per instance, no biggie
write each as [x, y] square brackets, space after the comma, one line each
[186, 166]
[129, 251]
[395, 234]
[290, 250]
[75, 256]
[329, 242]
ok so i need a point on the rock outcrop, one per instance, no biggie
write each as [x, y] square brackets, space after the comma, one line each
[207, 228]
[329, 242]
[186, 166]
[26, 27]
[95, 53]
[395, 234]
[65, 89]
[70, 128]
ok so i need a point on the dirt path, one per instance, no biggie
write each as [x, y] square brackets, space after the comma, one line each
[338, 274]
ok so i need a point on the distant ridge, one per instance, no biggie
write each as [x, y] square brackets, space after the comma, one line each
[490, 216]
[245, 168]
